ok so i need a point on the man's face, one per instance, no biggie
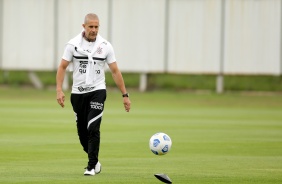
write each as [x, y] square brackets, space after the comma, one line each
[91, 29]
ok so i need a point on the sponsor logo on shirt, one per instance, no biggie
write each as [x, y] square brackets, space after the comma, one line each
[83, 66]
[81, 89]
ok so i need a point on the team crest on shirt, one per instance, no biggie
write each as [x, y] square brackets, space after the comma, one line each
[99, 50]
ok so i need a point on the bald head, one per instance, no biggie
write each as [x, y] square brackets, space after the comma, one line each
[90, 17]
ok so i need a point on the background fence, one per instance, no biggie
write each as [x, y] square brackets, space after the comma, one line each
[149, 36]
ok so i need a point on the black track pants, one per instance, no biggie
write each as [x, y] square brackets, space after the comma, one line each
[89, 109]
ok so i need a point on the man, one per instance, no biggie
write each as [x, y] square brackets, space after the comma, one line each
[86, 54]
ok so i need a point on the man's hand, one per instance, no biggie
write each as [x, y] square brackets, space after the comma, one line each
[59, 80]
[61, 98]
[126, 103]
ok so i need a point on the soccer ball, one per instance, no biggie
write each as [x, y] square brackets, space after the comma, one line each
[160, 143]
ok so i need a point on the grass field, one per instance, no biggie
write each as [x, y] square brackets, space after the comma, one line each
[230, 138]
[160, 81]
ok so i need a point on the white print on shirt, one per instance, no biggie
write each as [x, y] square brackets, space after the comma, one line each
[96, 105]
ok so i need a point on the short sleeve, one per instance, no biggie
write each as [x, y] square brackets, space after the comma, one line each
[68, 52]
[111, 54]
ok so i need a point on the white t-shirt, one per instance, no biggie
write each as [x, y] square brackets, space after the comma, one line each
[104, 54]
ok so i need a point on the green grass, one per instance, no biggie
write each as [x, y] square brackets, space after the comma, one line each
[167, 81]
[230, 138]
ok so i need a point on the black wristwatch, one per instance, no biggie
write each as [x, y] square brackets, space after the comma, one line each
[125, 95]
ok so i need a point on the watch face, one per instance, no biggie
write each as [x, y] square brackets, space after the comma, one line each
[125, 95]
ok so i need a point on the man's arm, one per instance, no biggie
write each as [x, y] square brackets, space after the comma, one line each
[117, 76]
[59, 80]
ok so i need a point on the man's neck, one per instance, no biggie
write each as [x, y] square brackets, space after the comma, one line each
[87, 39]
